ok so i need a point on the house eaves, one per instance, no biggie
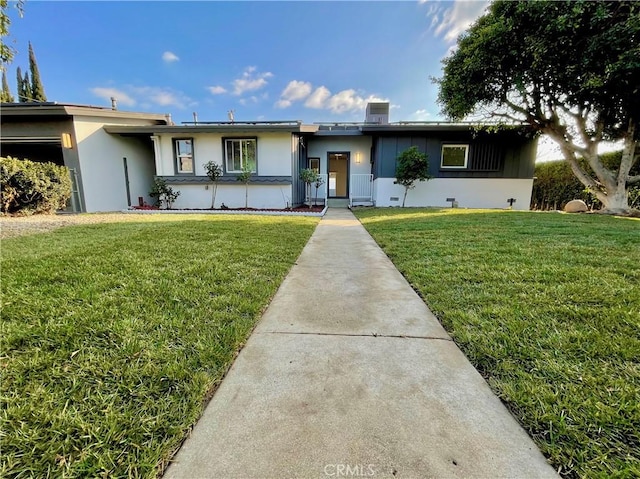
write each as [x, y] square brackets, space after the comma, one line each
[227, 128]
[52, 109]
[409, 127]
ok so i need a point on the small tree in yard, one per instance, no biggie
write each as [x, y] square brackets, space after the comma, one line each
[308, 177]
[164, 193]
[570, 70]
[245, 177]
[319, 182]
[412, 166]
[214, 172]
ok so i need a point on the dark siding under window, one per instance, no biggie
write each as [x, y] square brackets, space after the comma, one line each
[485, 157]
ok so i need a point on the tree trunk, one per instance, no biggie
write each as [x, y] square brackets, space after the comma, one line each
[617, 202]
[213, 195]
[611, 187]
[246, 196]
[404, 198]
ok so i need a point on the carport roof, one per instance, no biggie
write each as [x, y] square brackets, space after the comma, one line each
[55, 109]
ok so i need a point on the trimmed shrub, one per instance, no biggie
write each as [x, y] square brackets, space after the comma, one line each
[29, 187]
[555, 184]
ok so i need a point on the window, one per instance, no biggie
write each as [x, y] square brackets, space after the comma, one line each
[183, 149]
[314, 164]
[454, 156]
[240, 154]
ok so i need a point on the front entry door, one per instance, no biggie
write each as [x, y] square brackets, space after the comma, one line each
[338, 174]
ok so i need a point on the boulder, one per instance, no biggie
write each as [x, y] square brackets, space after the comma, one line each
[576, 206]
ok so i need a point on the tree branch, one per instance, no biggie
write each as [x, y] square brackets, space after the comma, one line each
[570, 155]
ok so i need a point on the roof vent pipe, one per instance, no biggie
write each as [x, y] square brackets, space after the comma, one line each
[114, 103]
[195, 117]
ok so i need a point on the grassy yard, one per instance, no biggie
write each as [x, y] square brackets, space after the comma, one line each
[113, 335]
[547, 307]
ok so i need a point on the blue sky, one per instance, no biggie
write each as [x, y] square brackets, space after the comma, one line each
[309, 61]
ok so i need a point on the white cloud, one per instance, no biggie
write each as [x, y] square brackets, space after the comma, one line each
[294, 91]
[162, 96]
[349, 100]
[130, 95]
[250, 80]
[342, 102]
[170, 57]
[420, 115]
[318, 98]
[217, 90]
[450, 22]
[283, 104]
[253, 99]
[107, 93]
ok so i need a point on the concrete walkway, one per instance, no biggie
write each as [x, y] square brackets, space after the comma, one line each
[348, 374]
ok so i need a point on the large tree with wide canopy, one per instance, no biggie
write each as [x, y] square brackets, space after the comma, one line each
[571, 70]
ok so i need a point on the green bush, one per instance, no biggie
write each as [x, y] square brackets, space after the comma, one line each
[555, 184]
[163, 193]
[29, 187]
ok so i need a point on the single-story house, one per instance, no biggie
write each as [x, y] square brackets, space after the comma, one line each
[114, 157]
[357, 161]
[108, 172]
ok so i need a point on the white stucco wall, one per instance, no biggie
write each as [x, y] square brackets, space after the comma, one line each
[274, 152]
[233, 196]
[318, 147]
[468, 192]
[102, 167]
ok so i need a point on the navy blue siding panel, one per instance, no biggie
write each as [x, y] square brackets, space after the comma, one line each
[494, 156]
[386, 152]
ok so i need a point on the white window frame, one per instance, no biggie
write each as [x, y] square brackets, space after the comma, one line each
[455, 145]
[178, 156]
[226, 159]
[315, 168]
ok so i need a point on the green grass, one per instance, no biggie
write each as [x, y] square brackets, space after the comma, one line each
[547, 307]
[114, 335]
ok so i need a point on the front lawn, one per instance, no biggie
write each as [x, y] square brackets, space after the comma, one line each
[547, 307]
[114, 335]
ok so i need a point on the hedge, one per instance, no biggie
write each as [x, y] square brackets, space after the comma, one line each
[30, 187]
[555, 184]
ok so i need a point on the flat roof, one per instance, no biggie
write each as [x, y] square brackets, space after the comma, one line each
[231, 128]
[294, 126]
[43, 109]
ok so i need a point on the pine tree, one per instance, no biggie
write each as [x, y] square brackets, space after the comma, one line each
[37, 90]
[26, 86]
[20, 80]
[5, 96]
